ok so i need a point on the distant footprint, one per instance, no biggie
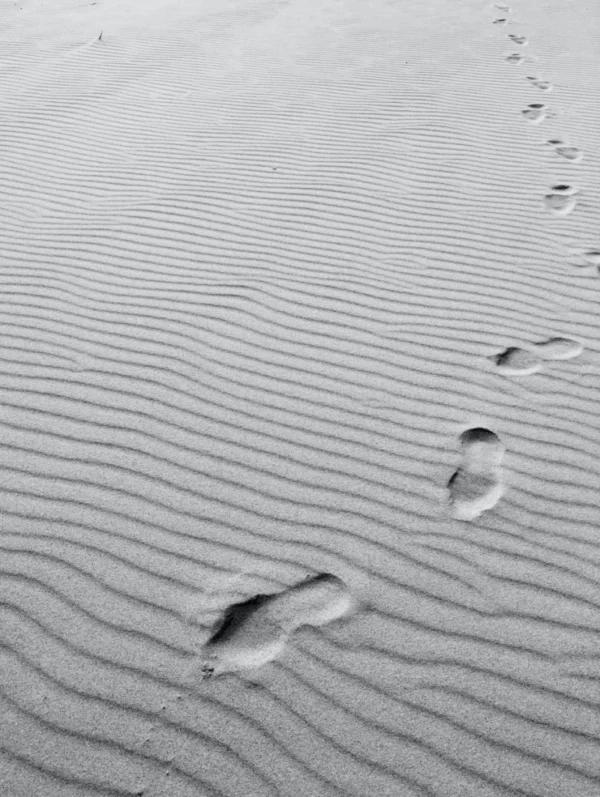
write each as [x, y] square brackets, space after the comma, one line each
[562, 199]
[543, 85]
[522, 40]
[535, 112]
[565, 151]
[478, 484]
[505, 9]
[256, 631]
[502, 21]
[515, 58]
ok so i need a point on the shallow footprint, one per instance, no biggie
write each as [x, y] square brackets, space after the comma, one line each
[562, 200]
[477, 485]
[522, 40]
[564, 150]
[570, 153]
[515, 58]
[255, 632]
[543, 85]
[559, 348]
[535, 112]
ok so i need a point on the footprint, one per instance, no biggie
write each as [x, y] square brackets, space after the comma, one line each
[518, 39]
[477, 485]
[564, 150]
[505, 9]
[502, 21]
[516, 362]
[562, 199]
[256, 631]
[535, 112]
[544, 85]
[515, 58]
[570, 153]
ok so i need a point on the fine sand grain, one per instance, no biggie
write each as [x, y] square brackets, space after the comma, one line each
[299, 386]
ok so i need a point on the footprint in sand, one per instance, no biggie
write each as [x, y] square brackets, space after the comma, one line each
[565, 151]
[543, 85]
[561, 200]
[502, 21]
[515, 58]
[516, 361]
[535, 112]
[522, 40]
[478, 483]
[256, 631]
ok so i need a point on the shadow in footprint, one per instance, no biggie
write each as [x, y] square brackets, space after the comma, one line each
[478, 484]
[522, 40]
[515, 58]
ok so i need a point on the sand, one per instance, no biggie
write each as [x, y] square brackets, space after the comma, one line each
[299, 377]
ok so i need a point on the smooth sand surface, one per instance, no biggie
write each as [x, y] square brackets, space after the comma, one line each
[289, 290]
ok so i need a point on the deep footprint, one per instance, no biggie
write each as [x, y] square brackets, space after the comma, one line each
[522, 40]
[256, 631]
[562, 200]
[535, 112]
[478, 484]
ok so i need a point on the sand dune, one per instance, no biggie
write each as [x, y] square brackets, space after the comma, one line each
[299, 389]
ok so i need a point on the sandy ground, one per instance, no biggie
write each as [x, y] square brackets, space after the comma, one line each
[299, 381]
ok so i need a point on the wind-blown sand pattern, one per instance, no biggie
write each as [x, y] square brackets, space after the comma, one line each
[261, 263]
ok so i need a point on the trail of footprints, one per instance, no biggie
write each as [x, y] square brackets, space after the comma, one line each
[561, 199]
[256, 631]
